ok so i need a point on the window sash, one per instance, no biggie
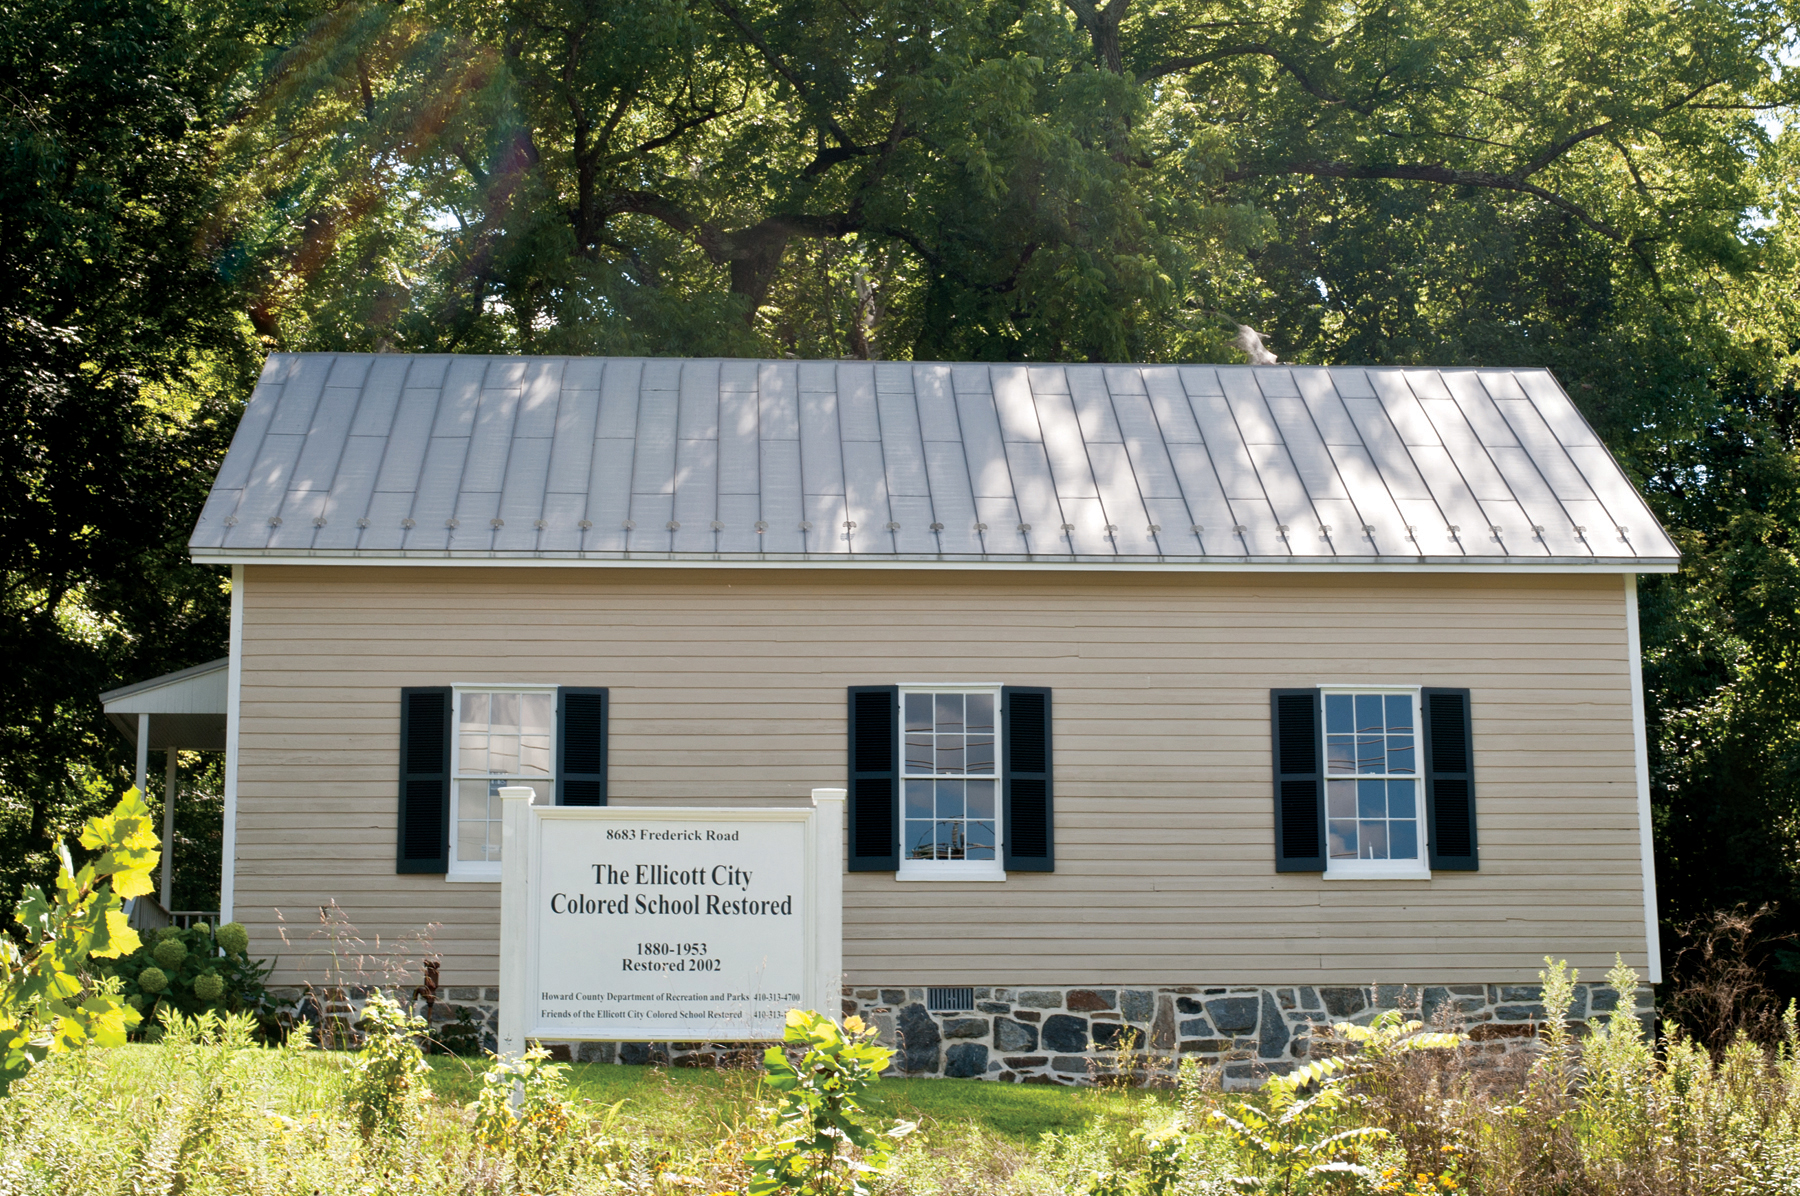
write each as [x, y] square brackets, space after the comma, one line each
[1378, 799]
[950, 790]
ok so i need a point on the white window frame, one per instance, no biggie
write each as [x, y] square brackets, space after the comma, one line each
[1418, 869]
[484, 871]
[952, 870]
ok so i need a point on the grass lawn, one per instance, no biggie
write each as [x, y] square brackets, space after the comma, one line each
[679, 1102]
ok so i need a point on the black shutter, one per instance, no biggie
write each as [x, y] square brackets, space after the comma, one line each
[581, 746]
[874, 805]
[425, 728]
[1299, 780]
[1027, 797]
[1449, 780]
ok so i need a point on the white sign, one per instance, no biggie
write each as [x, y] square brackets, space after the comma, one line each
[651, 923]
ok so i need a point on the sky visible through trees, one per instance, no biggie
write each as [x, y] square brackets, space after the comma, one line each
[1603, 188]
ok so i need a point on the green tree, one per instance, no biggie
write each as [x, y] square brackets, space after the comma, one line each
[125, 350]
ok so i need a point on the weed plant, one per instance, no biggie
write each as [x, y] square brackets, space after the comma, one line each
[1595, 1109]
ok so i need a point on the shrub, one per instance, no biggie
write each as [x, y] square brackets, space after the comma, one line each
[233, 939]
[194, 971]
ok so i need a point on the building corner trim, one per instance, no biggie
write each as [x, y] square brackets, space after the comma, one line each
[1641, 759]
[234, 689]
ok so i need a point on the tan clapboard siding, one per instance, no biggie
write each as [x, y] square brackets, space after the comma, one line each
[729, 687]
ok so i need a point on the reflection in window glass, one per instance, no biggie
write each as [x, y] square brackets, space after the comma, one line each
[1375, 816]
[950, 795]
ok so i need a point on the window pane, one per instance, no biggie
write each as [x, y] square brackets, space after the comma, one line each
[1374, 840]
[1340, 753]
[1403, 839]
[1340, 799]
[1371, 799]
[1400, 753]
[949, 753]
[918, 799]
[1399, 714]
[1400, 800]
[981, 799]
[981, 840]
[918, 712]
[506, 712]
[536, 714]
[503, 754]
[1338, 717]
[471, 840]
[979, 757]
[949, 840]
[471, 753]
[1371, 753]
[918, 752]
[949, 799]
[475, 710]
[1368, 714]
[918, 840]
[981, 713]
[1343, 839]
[534, 755]
[950, 713]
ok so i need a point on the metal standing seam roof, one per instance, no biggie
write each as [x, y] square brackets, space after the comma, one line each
[396, 458]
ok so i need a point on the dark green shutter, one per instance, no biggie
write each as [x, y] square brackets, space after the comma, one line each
[581, 746]
[1449, 780]
[1027, 792]
[425, 729]
[874, 766]
[1299, 780]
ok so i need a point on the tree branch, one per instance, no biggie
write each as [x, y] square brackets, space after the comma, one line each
[1442, 175]
[732, 13]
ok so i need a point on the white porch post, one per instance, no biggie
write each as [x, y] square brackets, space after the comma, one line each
[143, 755]
[515, 905]
[234, 692]
[828, 870]
[168, 835]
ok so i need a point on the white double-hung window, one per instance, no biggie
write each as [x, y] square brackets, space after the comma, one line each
[950, 783]
[504, 737]
[1374, 804]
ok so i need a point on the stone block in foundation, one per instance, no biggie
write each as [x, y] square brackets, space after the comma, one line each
[1065, 1033]
[1010, 1035]
[965, 1061]
[1233, 1014]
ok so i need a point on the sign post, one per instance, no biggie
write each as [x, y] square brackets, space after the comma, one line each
[645, 923]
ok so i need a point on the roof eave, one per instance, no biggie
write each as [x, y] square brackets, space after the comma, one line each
[1060, 561]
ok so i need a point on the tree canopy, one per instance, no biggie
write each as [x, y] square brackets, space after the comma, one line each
[1604, 188]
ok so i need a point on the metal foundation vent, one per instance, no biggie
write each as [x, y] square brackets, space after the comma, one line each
[950, 1000]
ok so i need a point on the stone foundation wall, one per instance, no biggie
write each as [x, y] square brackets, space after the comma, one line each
[1047, 1035]
[295, 1004]
[1075, 1035]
